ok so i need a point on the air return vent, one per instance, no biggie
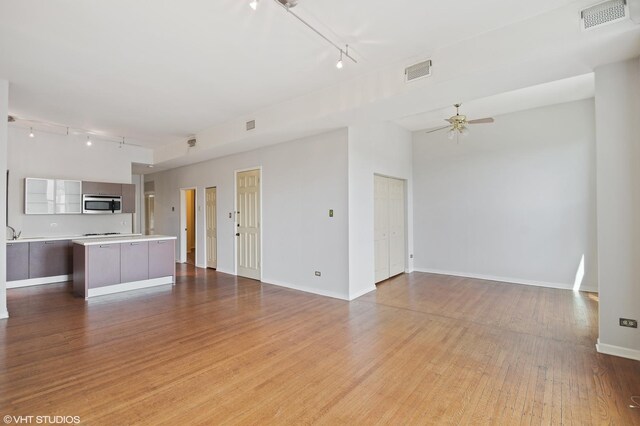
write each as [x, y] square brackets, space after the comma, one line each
[191, 143]
[418, 71]
[604, 13]
[251, 125]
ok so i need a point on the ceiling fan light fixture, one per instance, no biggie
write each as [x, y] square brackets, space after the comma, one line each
[451, 134]
[464, 131]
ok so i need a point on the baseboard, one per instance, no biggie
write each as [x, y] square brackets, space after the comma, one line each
[362, 292]
[510, 280]
[39, 281]
[4, 315]
[603, 348]
[305, 289]
[225, 271]
[136, 285]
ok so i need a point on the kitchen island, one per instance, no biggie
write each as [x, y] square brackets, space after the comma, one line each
[112, 265]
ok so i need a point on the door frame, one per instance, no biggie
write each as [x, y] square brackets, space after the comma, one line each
[183, 223]
[235, 218]
[206, 223]
[406, 218]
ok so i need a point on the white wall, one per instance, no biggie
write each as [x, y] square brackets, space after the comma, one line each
[4, 111]
[66, 157]
[385, 149]
[513, 201]
[301, 181]
[618, 159]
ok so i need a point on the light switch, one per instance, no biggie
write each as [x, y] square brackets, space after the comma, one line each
[331, 213]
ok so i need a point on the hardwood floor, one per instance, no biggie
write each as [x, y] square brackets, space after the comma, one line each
[423, 349]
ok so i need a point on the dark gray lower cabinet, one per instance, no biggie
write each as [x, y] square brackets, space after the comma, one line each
[133, 259]
[161, 258]
[50, 258]
[103, 265]
[17, 261]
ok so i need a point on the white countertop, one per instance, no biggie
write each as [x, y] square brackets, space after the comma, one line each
[67, 237]
[121, 239]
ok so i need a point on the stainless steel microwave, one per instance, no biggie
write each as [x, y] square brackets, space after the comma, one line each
[101, 204]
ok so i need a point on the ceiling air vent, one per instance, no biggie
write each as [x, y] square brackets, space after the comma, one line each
[251, 125]
[418, 71]
[191, 142]
[604, 13]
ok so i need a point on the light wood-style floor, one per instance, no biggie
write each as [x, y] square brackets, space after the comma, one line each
[423, 349]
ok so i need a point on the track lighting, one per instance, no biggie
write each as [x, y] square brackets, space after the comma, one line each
[31, 134]
[89, 143]
[288, 5]
[253, 4]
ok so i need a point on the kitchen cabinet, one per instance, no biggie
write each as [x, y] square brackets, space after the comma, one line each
[68, 196]
[50, 258]
[104, 263]
[17, 261]
[101, 188]
[132, 257]
[52, 196]
[161, 258]
[39, 196]
[128, 198]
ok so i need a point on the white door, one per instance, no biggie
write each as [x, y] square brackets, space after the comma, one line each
[389, 227]
[212, 228]
[381, 227]
[396, 227]
[248, 224]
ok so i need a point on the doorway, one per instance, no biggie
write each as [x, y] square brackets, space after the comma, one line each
[188, 240]
[389, 227]
[211, 227]
[248, 218]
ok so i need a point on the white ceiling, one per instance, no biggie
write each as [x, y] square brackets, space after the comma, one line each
[158, 72]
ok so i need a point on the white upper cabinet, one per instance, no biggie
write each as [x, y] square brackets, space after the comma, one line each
[51, 196]
[68, 197]
[39, 196]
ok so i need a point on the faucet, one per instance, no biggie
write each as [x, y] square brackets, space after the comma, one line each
[14, 236]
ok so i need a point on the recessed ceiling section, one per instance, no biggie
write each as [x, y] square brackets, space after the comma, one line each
[556, 92]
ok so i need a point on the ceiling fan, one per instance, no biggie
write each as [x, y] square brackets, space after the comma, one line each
[458, 124]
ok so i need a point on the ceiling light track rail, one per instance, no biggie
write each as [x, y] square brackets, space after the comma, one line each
[32, 124]
[343, 51]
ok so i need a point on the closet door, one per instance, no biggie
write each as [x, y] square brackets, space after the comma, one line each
[396, 227]
[389, 227]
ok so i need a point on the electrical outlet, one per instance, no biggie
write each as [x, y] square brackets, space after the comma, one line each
[53, 225]
[230, 215]
[410, 256]
[318, 273]
[625, 322]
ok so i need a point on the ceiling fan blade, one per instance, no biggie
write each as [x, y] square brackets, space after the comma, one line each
[438, 129]
[481, 121]
[448, 120]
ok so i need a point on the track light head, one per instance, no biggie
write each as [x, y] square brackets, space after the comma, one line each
[31, 134]
[253, 4]
[89, 143]
[340, 64]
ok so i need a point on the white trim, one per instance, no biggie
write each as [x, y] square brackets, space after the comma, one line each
[136, 285]
[39, 281]
[362, 293]
[319, 292]
[603, 348]
[509, 280]
[4, 315]
[183, 222]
